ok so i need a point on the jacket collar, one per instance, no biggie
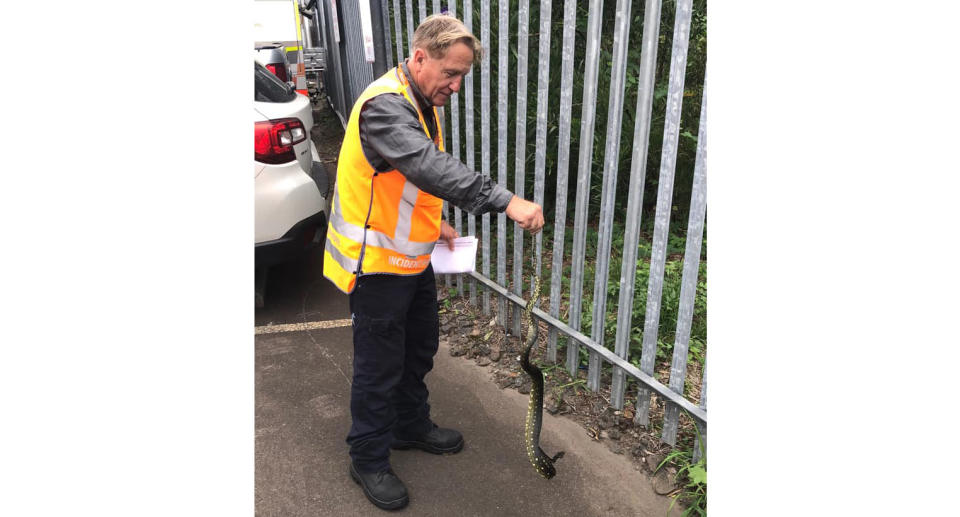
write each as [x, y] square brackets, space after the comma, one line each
[425, 105]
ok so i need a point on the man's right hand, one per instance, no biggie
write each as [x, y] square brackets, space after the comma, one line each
[528, 214]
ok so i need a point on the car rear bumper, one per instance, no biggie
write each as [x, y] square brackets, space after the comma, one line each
[286, 194]
[303, 236]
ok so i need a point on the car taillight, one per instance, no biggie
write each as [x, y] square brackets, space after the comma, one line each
[274, 140]
[278, 70]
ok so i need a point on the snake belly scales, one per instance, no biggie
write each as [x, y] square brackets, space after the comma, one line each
[540, 461]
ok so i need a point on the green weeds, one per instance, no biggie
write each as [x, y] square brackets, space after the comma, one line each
[692, 476]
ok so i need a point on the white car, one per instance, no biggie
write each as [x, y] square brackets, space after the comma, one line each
[292, 188]
[274, 58]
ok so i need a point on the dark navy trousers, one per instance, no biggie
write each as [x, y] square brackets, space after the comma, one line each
[395, 336]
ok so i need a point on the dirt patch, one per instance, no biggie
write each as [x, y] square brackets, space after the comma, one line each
[327, 134]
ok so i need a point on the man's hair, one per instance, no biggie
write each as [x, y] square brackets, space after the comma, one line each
[437, 32]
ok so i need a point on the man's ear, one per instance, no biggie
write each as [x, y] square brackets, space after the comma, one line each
[415, 59]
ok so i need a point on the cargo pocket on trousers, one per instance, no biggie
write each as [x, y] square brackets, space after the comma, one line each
[378, 344]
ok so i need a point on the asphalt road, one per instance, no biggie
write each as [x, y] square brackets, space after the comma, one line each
[302, 397]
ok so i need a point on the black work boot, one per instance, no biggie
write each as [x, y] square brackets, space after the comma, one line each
[437, 441]
[384, 488]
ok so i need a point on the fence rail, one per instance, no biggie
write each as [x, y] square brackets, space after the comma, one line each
[348, 73]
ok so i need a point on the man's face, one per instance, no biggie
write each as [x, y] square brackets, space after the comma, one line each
[438, 79]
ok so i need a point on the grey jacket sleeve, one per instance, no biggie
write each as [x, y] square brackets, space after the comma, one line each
[392, 138]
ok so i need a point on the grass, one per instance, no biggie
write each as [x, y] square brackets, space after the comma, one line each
[692, 476]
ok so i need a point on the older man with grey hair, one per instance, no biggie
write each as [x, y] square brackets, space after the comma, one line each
[392, 178]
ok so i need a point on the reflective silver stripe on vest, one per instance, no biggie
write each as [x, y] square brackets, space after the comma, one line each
[405, 211]
[347, 263]
[401, 243]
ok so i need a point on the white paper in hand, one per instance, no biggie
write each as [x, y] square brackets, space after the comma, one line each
[463, 259]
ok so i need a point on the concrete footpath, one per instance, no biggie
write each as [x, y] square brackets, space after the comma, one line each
[303, 414]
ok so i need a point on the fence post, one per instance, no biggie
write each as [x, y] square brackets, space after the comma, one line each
[398, 29]
[563, 158]
[671, 132]
[485, 139]
[618, 70]
[584, 171]
[455, 143]
[519, 172]
[381, 36]
[503, 83]
[691, 270]
[469, 131]
[543, 80]
[410, 27]
[445, 131]
[387, 37]
[638, 175]
[703, 427]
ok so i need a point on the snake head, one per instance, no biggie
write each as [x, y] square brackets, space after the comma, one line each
[547, 470]
[545, 464]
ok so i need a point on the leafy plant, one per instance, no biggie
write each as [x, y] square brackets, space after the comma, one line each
[578, 384]
[693, 476]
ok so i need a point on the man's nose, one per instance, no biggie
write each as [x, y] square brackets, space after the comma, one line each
[455, 85]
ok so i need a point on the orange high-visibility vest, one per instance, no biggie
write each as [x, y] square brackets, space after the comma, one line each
[379, 221]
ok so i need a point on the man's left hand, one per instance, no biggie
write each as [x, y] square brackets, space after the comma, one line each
[447, 233]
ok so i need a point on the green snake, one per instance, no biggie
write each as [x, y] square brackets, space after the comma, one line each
[539, 459]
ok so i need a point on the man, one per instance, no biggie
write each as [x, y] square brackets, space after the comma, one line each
[392, 177]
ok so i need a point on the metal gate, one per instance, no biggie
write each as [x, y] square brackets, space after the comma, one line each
[347, 74]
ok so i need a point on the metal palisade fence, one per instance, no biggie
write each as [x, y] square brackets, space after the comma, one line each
[578, 52]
